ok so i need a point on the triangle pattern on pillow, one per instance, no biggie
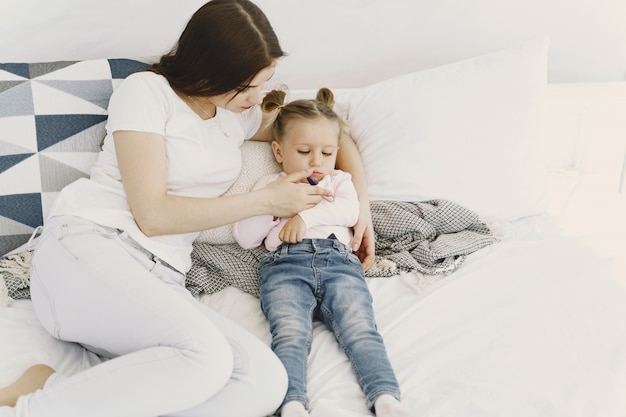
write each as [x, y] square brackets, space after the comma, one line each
[86, 140]
[9, 161]
[7, 85]
[93, 91]
[122, 68]
[16, 98]
[55, 175]
[17, 69]
[22, 208]
[54, 128]
[52, 123]
[43, 68]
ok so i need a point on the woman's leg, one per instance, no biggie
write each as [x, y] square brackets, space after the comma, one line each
[258, 383]
[31, 380]
[88, 288]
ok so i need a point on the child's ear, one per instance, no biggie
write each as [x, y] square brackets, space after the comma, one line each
[277, 152]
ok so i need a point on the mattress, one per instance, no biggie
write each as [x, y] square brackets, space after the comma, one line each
[529, 326]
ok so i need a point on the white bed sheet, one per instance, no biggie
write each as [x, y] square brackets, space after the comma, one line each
[530, 326]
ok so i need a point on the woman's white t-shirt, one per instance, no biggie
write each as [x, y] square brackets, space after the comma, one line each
[203, 156]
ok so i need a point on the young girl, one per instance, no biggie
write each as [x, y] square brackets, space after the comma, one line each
[311, 271]
[109, 270]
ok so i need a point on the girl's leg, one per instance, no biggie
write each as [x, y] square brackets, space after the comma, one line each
[287, 300]
[347, 310]
[88, 287]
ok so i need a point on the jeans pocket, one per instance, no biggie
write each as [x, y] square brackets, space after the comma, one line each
[68, 227]
[41, 296]
[267, 260]
[263, 262]
[55, 258]
[352, 259]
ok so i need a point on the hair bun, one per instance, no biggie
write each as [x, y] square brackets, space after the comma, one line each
[326, 96]
[273, 100]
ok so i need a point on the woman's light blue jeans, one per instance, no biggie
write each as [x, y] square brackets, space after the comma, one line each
[170, 355]
[322, 278]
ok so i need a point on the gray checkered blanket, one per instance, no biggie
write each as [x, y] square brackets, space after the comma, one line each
[432, 237]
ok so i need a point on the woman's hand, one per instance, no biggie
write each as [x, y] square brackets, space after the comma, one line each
[363, 243]
[291, 194]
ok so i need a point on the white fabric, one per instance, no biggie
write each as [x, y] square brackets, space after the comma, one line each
[336, 215]
[529, 326]
[465, 132]
[159, 339]
[204, 160]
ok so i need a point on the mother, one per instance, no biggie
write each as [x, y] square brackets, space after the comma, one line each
[108, 272]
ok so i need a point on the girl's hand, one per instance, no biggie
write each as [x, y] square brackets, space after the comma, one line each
[293, 230]
[291, 194]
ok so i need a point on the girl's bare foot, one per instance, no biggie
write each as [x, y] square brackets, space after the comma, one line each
[387, 406]
[31, 380]
[293, 409]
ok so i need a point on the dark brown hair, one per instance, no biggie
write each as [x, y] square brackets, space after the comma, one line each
[320, 107]
[222, 48]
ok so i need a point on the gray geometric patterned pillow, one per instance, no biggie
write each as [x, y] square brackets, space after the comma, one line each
[52, 118]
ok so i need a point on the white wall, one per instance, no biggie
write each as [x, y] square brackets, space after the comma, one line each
[338, 43]
[588, 37]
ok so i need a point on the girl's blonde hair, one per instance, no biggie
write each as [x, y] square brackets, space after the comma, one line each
[303, 109]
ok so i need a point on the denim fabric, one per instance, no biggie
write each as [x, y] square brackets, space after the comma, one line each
[322, 278]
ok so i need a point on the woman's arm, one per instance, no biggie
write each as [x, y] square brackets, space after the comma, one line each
[264, 134]
[349, 159]
[143, 165]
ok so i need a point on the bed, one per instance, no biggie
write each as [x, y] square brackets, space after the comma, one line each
[529, 325]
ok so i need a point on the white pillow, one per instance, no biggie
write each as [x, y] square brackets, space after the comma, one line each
[258, 160]
[466, 132]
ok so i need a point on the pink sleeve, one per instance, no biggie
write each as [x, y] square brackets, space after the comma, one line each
[342, 210]
[251, 232]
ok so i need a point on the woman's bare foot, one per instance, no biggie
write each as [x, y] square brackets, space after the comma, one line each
[31, 380]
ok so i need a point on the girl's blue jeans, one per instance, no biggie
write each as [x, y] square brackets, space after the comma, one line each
[322, 278]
